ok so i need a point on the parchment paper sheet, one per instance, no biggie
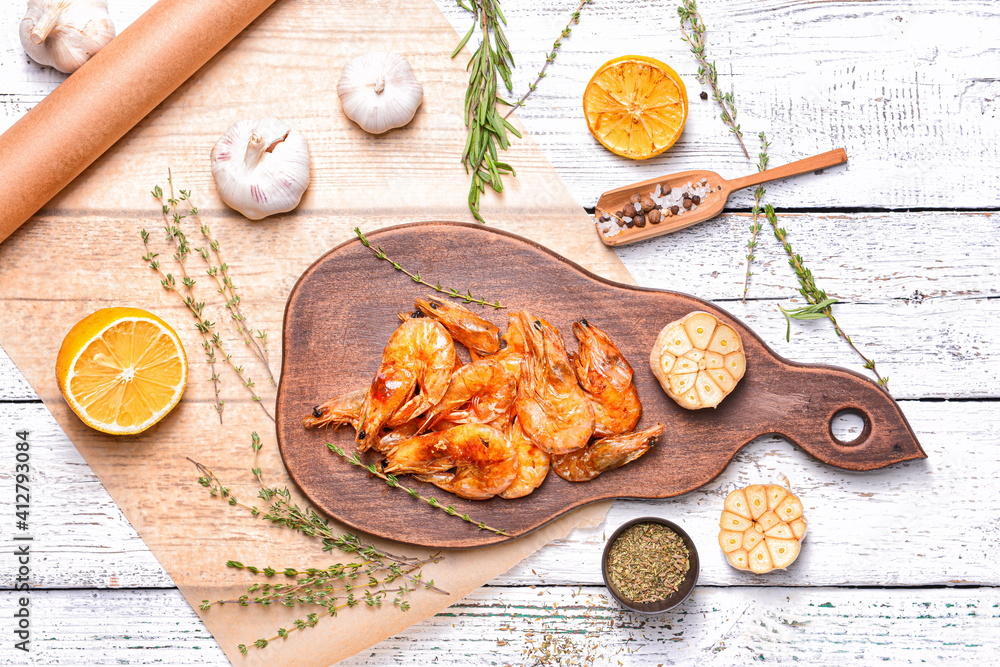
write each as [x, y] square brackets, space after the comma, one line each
[82, 252]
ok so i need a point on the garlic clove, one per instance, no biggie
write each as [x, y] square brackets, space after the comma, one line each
[789, 509]
[736, 502]
[700, 327]
[756, 499]
[798, 528]
[751, 538]
[760, 558]
[261, 167]
[767, 520]
[730, 540]
[379, 92]
[738, 559]
[781, 531]
[64, 34]
[730, 521]
[782, 552]
[775, 494]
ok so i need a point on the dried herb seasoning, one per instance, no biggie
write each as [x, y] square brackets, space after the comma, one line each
[648, 562]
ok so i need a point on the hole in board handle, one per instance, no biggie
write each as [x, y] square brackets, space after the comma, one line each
[850, 427]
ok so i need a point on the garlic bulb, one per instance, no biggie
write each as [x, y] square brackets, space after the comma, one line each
[261, 167]
[761, 528]
[65, 33]
[698, 360]
[379, 92]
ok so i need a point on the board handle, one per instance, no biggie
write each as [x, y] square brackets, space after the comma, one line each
[814, 395]
[814, 163]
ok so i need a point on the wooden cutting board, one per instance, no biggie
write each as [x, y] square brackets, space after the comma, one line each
[344, 307]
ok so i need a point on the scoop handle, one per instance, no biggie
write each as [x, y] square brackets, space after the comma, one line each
[811, 396]
[814, 163]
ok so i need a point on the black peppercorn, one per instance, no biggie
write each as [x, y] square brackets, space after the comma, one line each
[704, 95]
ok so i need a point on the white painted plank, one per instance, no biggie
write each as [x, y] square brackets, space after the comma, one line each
[912, 104]
[578, 626]
[923, 523]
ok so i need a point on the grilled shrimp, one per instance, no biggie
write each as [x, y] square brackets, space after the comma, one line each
[343, 409]
[606, 378]
[420, 354]
[554, 412]
[481, 336]
[605, 454]
[532, 466]
[479, 393]
[472, 461]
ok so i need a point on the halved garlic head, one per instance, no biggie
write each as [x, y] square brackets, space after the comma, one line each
[261, 167]
[698, 360]
[761, 528]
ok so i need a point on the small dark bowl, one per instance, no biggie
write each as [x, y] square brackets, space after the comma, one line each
[683, 591]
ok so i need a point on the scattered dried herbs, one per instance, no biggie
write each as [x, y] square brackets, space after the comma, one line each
[648, 562]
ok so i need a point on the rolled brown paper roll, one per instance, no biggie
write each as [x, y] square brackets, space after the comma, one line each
[49, 147]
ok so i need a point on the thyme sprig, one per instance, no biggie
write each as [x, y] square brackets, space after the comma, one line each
[211, 339]
[819, 305]
[219, 271]
[168, 283]
[756, 225]
[393, 482]
[693, 29]
[550, 58]
[365, 581]
[490, 63]
[417, 278]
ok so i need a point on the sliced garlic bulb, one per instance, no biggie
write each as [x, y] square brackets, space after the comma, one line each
[379, 92]
[761, 528]
[261, 167]
[698, 360]
[65, 33]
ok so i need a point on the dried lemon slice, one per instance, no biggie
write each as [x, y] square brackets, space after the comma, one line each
[761, 528]
[635, 106]
[698, 360]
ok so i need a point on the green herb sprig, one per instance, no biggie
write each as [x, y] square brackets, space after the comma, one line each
[756, 225]
[219, 271]
[819, 304]
[211, 339]
[693, 29]
[417, 278]
[168, 283]
[393, 482]
[550, 57]
[490, 63]
[331, 589]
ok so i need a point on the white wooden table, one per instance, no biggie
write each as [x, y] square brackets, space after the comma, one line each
[900, 564]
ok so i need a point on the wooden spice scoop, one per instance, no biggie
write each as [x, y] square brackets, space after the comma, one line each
[711, 205]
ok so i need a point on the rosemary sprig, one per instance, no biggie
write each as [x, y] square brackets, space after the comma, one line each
[172, 219]
[219, 271]
[693, 29]
[416, 277]
[393, 482]
[819, 304]
[756, 225]
[336, 587]
[574, 19]
[490, 63]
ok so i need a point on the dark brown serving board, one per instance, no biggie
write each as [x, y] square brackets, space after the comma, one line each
[343, 309]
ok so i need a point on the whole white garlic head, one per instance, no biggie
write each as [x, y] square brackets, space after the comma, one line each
[379, 92]
[261, 167]
[65, 33]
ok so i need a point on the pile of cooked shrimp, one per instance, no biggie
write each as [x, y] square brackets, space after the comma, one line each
[495, 425]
